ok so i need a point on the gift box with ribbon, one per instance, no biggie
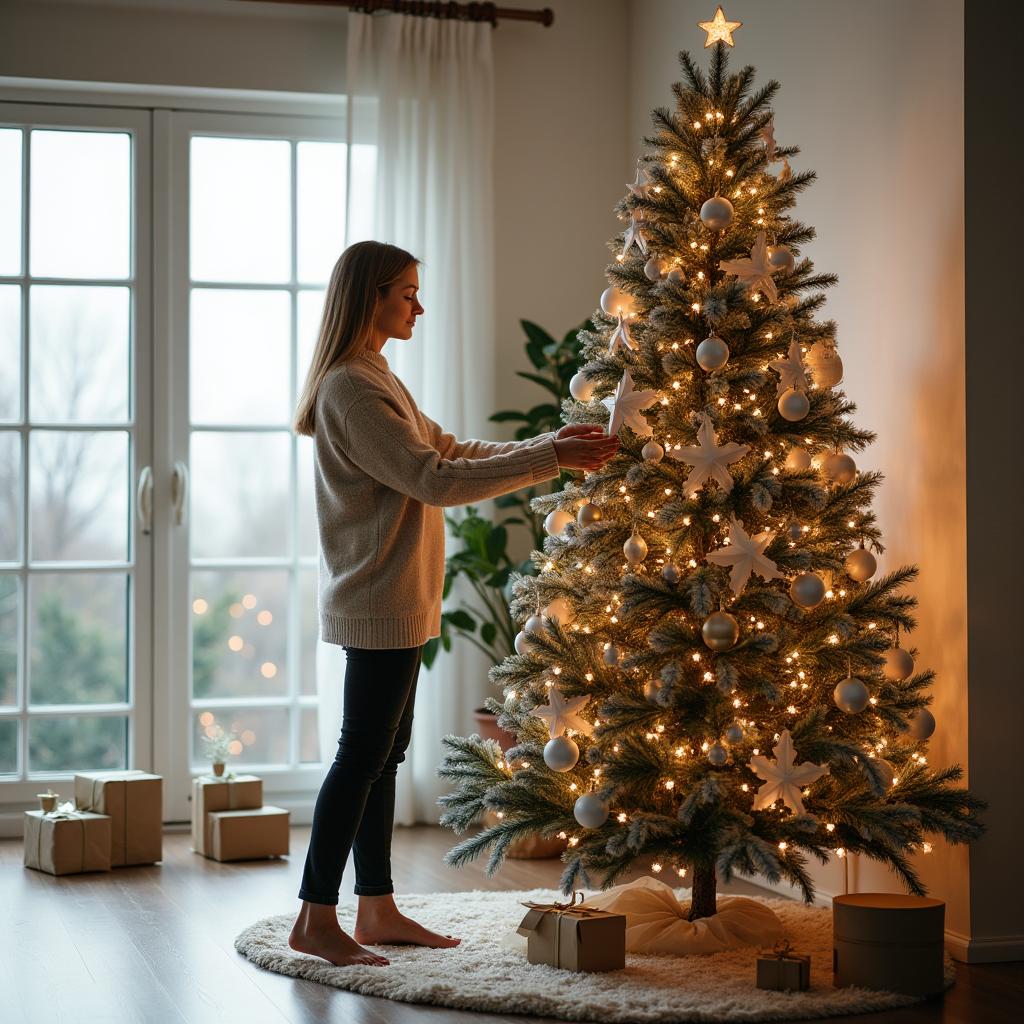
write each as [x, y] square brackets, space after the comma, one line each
[220, 793]
[574, 937]
[67, 841]
[783, 970]
[247, 834]
[134, 801]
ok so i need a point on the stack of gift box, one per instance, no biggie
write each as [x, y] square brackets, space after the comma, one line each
[231, 822]
[115, 820]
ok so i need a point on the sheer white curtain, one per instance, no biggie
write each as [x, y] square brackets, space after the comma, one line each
[421, 92]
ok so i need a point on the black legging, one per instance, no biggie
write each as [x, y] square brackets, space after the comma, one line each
[355, 809]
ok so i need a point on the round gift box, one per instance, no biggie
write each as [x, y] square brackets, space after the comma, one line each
[888, 941]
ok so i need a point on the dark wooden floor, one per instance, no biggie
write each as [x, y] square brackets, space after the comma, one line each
[154, 944]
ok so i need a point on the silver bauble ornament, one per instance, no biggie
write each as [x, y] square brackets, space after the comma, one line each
[807, 590]
[851, 695]
[899, 665]
[861, 565]
[635, 549]
[716, 213]
[561, 611]
[654, 269]
[555, 522]
[580, 387]
[675, 275]
[534, 624]
[838, 468]
[825, 365]
[651, 690]
[670, 573]
[734, 733]
[652, 452]
[793, 405]
[520, 643]
[922, 724]
[720, 631]
[781, 258]
[611, 655]
[561, 754]
[718, 755]
[798, 459]
[795, 531]
[591, 811]
[616, 302]
[588, 514]
[712, 354]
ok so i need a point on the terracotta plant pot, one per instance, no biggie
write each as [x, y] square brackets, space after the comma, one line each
[530, 847]
[218, 768]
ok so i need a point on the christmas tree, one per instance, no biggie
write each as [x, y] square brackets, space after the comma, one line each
[711, 679]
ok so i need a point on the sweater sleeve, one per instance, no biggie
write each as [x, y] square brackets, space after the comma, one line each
[450, 447]
[388, 447]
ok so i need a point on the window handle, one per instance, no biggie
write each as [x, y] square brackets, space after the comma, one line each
[144, 499]
[179, 491]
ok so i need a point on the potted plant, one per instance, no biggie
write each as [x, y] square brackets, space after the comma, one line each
[217, 748]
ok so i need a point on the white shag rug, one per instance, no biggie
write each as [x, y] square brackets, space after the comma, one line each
[488, 971]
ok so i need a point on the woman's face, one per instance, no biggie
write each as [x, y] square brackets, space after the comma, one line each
[398, 309]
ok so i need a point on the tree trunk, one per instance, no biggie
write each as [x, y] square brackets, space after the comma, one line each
[702, 897]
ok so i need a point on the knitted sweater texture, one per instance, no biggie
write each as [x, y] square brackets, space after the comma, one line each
[383, 472]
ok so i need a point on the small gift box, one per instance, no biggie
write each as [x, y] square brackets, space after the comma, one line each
[67, 841]
[223, 793]
[784, 970]
[247, 834]
[574, 937]
[134, 801]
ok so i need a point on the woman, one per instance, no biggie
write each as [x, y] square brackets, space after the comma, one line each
[383, 472]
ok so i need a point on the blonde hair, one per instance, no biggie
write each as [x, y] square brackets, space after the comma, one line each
[359, 280]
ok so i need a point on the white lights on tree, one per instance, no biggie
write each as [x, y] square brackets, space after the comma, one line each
[784, 780]
[746, 555]
[709, 459]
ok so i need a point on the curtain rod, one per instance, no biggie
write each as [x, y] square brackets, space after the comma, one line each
[433, 9]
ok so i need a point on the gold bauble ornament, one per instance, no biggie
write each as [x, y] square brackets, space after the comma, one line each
[793, 405]
[861, 565]
[616, 302]
[716, 213]
[720, 631]
[652, 452]
[712, 354]
[807, 590]
[635, 549]
[556, 522]
[838, 468]
[851, 695]
[899, 664]
[798, 459]
[922, 724]
[588, 514]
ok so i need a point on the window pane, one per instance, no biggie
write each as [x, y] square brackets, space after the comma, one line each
[321, 208]
[80, 222]
[8, 746]
[10, 201]
[78, 354]
[309, 630]
[309, 739]
[79, 505]
[10, 496]
[239, 633]
[10, 351]
[77, 744]
[8, 640]
[239, 354]
[240, 210]
[79, 637]
[308, 537]
[311, 304]
[262, 735]
[239, 494]
[364, 170]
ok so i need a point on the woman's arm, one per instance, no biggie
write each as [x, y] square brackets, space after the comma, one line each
[450, 447]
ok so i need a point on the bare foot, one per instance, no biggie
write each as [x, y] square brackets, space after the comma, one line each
[392, 928]
[332, 945]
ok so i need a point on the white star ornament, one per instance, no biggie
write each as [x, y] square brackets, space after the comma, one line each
[621, 338]
[755, 272]
[635, 236]
[746, 555]
[625, 407]
[641, 186]
[783, 779]
[768, 138]
[709, 459]
[719, 30]
[790, 370]
[561, 714]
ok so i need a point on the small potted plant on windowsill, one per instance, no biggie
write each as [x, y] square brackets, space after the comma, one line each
[217, 749]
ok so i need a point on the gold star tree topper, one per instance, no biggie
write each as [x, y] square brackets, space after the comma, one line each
[719, 30]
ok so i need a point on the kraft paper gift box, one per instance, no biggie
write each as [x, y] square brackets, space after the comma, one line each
[217, 793]
[784, 970]
[134, 801]
[888, 941]
[574, 938]
[67, 841]
[248, 834]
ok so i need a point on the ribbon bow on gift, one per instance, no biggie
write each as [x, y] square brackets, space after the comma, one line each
[781, 949]
[574, 905]
[65, 810]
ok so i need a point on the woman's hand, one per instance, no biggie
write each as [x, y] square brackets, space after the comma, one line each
[584, 446]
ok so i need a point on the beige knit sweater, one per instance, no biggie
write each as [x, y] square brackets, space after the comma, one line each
[383, 472]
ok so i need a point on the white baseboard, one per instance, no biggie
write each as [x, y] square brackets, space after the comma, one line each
[991, 949]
